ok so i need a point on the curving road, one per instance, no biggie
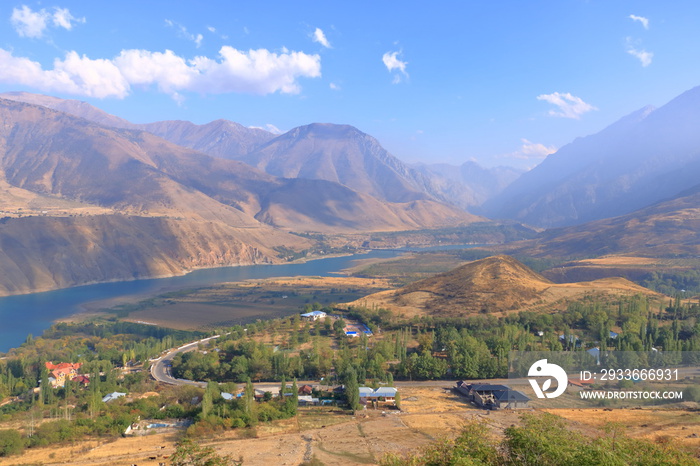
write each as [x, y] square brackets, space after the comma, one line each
[160, 368]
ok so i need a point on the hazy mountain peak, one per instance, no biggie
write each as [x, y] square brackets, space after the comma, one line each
[646, 156]
[73, 107]
[325, 130]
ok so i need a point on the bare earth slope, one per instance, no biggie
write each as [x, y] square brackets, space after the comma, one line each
[495, 285]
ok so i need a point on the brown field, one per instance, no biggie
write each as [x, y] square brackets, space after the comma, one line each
[332, 437]
[551, 297]
[407, 268]
[681, 426]
[229, 304]
[620, 260]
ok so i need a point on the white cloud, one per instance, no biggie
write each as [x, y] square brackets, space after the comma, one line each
[63, 18]
[269, 127]
[642, 55]
[184, 33]
[533, 150]
[320, 37]
[29, 23]
[74, 75]
[569, 106]
[211, 29]
[255, 72]
[168, 71]
[392, 62]
[273, 129]
[641, 19]
[334, 86]
[234, 71]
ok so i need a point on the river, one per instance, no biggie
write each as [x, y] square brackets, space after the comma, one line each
[33, 313]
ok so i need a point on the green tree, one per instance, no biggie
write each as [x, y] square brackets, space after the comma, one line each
[293, 401]
[352, 389]
[189, 453]
[11, 442]
[211, 392]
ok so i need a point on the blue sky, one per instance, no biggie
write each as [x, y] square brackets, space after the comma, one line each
[499, 82]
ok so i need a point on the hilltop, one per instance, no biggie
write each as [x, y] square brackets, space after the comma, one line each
[495, 285]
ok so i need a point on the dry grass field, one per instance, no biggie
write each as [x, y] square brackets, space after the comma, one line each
[682, 427]
[335, 438]
[330, 436]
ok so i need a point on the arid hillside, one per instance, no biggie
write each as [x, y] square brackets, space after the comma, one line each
[665, 229]
[495, 285]
[81, 202]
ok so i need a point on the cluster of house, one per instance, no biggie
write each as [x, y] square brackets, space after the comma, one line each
[492, 396]
[576, 341]
[352, 329]
[304, 396]
[61, 372]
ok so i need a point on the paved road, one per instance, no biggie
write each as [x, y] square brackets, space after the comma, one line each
[160, 368]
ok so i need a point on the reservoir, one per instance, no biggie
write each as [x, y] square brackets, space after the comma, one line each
[33, 313]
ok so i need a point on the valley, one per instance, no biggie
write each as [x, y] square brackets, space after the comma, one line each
[424, 275]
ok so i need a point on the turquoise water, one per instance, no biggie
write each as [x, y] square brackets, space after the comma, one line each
[33, 313]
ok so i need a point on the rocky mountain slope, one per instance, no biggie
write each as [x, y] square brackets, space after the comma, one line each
[338, 153]
[345, 155]
[650, 155]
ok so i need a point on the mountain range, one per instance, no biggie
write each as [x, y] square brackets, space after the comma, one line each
[320, 151]
[76, 181]
[646, 157]
[667, 229]
[126, 203]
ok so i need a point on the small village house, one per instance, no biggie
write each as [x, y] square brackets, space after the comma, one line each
[314, 315]
[381, 394]
[59, 373]
[491, 396]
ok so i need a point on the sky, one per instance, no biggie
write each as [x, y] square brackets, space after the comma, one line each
[497, 82]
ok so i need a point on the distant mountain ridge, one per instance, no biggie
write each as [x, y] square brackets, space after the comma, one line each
[666, 229]
[219, 138]
[469, 185]
[318, 151]
[650, 155]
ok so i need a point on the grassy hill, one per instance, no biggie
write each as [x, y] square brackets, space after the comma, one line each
[495, 285]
